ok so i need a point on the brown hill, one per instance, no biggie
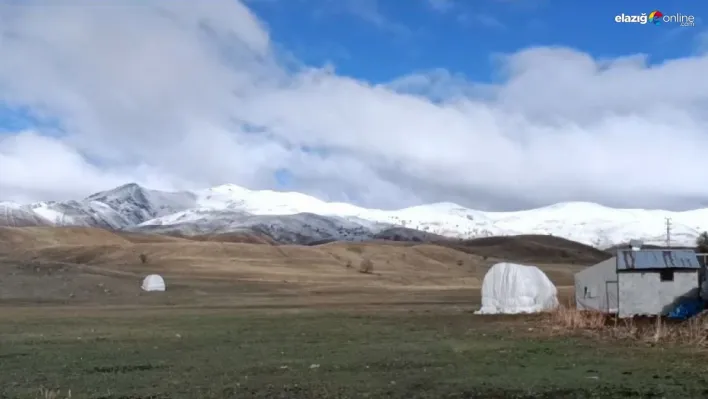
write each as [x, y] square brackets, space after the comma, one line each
[542, 249]
[141, 238]
[520, 248]
[531, 249]
[244, 238]
[98, 266]
[18, 238]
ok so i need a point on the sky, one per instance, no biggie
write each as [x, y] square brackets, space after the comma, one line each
[491, 104]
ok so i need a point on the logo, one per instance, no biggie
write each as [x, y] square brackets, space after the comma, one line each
[655, 17]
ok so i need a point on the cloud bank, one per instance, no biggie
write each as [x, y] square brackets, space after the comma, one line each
[180, 95]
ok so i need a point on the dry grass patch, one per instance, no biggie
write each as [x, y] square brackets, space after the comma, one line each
[648, 330]
[45, 393]
[571, 318]
[26, 238]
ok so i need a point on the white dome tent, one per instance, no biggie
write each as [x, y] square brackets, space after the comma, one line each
[510, 288]
[153, 282]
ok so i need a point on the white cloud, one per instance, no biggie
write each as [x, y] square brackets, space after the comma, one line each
[39, 166]
[368, 11]
[489, 21]
[441, 5]
[170, 95]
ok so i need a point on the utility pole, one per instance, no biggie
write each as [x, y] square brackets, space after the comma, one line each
[668, 232]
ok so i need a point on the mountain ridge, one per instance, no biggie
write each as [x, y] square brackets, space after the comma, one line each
[293, 217]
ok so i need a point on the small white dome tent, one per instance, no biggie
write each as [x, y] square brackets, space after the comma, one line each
[510, 288]
[153, 282]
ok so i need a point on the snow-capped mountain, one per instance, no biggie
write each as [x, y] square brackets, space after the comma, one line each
[124, 206]
[12, 214]
[136, 204]
[296, 217]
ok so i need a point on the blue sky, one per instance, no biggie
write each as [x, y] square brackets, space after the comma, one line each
[13, 119]
[16, 118]
[381, 40]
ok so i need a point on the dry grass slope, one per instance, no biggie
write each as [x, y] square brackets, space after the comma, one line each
[14, 238]
[140, 238]
[532, 248]
[40, 258]
[245, 238]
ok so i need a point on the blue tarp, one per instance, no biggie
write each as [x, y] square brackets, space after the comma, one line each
[686, 309]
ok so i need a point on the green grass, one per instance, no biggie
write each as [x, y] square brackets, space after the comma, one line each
[324, 355]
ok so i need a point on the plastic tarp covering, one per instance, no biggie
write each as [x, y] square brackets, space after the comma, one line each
[153, 282]
[510, 288]
[686, 308]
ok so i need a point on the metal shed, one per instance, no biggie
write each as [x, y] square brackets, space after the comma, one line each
[638, 282]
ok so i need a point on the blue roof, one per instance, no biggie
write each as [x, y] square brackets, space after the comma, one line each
[657, 259]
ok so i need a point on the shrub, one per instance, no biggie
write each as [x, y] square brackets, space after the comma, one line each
[366, 266]
[143, 258]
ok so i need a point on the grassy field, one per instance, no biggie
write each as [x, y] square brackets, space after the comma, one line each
[245, 320]
[178, 353]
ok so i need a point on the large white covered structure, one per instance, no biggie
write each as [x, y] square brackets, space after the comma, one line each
[153, 282]
[510, 288]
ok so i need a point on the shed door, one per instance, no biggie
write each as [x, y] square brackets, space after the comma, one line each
[612, 299]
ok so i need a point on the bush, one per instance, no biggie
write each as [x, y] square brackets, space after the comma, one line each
[143, 258]
[366, 266]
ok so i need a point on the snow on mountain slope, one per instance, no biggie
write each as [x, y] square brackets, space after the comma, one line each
[601, 226]
[136, 204]
[118, 208]
[296, 217]
[74, 213]
[442, 218]
[267, 202]
[300, 228]
[16, 215]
